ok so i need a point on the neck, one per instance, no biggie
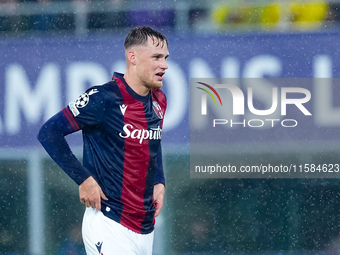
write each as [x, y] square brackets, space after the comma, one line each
[135, 85]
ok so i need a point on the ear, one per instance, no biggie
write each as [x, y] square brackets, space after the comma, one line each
[131, 56]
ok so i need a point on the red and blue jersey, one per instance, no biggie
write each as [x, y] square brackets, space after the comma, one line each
[121, 134]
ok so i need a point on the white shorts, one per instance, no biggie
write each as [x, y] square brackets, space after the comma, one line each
[103, 236]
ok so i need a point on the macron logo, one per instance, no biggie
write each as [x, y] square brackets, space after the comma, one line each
[99, 246]
[123, 108]
[93, 91]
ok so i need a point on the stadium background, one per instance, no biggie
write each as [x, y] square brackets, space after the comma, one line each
[51, 51]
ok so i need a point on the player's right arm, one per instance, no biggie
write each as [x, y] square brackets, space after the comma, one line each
[52, 137]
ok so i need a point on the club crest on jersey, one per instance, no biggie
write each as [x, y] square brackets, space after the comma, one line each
[158, 110]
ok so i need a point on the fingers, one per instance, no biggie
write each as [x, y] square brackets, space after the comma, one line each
[102, 195]
[157, 212]
[97, 205]
[91, 203]
[158, 207]
[158, 194]
[91, 194]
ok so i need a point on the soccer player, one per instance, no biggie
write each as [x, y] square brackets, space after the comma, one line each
[121, 180]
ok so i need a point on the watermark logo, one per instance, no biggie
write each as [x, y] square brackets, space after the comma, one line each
[263, 126]
[278, 99]
[204, 97]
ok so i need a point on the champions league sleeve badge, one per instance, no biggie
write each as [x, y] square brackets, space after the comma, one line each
[81, 102]
[158, 110]
[84, 98]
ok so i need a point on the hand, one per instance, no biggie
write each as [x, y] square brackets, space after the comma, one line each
[90, 193]
[158, 197]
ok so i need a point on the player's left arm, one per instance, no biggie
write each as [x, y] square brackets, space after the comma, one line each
[159, 184]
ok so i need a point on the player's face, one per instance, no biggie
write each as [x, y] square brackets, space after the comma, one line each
[151, 63]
